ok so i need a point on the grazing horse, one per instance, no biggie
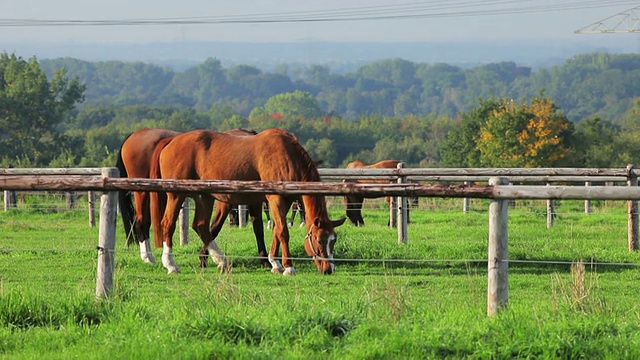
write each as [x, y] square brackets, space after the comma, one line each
[134, 161]
[272, 155]
[354, 203]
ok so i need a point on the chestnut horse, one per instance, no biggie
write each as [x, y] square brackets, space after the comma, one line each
[354, 203]
[272, 155]
[134, 161]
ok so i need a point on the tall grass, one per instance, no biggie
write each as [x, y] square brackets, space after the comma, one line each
[573, 291]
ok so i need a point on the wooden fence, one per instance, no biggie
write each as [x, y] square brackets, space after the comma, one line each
[497, 191]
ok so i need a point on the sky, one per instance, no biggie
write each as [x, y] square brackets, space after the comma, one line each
[305, 20]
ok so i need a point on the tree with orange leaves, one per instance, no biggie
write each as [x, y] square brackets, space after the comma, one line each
[524, 135]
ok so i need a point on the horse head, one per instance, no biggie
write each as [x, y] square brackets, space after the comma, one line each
[319, 242]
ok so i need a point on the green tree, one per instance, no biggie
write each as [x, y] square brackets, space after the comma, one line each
[597, 143]
[31, 109]
[297, 104]
[459, 149]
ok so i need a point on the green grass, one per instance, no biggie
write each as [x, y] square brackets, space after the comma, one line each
[424, 299]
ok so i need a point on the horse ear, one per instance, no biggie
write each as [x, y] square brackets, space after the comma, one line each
[337, 223]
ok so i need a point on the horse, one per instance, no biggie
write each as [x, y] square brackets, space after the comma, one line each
[271, 155]
[353, 203]
[133, 161]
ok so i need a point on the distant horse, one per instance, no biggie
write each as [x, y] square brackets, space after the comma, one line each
[272, 155]
[134, 161]
[353, 203]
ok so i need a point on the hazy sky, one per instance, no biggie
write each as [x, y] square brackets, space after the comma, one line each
[267, 20]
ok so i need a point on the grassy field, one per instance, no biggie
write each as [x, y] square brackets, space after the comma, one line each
[573, 291]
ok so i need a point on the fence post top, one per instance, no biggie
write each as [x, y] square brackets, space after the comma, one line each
[498, 180]
[110, 172]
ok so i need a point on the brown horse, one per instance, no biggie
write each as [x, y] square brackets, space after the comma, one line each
[354, 203]
[272, 155]
[134, 161]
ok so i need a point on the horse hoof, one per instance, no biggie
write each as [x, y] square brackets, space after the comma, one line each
[149, 260]
[173, 270]
[290, 271]
[276, 270]
[224, 268]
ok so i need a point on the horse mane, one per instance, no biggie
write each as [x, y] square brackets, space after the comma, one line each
[158, 200]
[242, 131]
[311, 172]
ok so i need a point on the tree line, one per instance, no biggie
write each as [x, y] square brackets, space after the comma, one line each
[68, 112]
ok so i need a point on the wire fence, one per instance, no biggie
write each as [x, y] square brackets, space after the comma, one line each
[58, 202]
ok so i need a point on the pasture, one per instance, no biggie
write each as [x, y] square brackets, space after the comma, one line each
[572, 290]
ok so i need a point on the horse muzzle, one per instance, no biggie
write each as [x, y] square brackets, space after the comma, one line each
[325, 267]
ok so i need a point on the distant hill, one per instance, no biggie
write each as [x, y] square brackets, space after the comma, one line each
[340, 57]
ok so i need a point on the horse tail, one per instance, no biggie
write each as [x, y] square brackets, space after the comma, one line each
[157, 199]
[125, 201]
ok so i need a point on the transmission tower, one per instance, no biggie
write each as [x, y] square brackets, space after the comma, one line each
[624, 22]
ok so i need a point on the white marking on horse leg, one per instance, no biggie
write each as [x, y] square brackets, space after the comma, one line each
[218, 256]
[145, 252]
[290, 271]
[331, 239]
[276, 267]
[302, 223]
[167, 260]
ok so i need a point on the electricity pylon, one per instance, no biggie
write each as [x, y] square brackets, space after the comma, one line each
[624, 22]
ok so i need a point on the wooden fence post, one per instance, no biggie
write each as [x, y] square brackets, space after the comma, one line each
[466, 202]
[107, 238]
[7, 200]
[92, 209]
[71, 200]
[242, 215]
[184, 223]
[498, 265]
[402, 211]
[393, 211]
[551, 211]
[632, 211]
[587, 203]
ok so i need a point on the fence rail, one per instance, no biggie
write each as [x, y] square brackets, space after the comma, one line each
[497, 190]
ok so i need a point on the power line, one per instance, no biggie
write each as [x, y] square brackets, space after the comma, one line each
[627, 21]
[404, 11]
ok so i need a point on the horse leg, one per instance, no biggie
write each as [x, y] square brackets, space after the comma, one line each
[265, 208]
[280, 236]
[142, 224]
[222, 211]
[359, 206]
[294, 210]
[301, 213]
[209, 243]
[258, 231]
[168, 223]
[200, 224]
